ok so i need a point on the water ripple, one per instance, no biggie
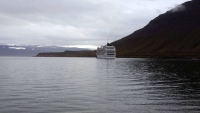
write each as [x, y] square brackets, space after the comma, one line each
[89, 85]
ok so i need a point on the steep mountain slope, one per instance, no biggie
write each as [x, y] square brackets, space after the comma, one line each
[173, 34]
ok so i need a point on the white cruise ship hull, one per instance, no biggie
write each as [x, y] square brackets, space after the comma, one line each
[105, 57]
[100, 57]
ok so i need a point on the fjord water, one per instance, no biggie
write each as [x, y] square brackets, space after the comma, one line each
[90, 85]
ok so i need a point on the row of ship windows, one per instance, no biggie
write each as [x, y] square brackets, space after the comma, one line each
[110, 51]
[110, 54]
[110, 47]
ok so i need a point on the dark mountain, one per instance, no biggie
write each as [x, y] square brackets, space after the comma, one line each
[31, 50]
[173, 34]
[84, 53]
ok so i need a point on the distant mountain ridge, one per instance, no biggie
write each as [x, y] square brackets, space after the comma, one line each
[31, 50]
[173, 34]
[84, 53]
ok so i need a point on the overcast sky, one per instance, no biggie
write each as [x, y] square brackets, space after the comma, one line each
[76, 22]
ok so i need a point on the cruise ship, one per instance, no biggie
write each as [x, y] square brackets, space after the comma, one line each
[106, 52]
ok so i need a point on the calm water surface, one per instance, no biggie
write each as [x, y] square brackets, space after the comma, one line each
[89, 85]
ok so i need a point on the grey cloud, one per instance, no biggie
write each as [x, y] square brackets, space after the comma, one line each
[74, 22]
[158, 11]
[178, 8]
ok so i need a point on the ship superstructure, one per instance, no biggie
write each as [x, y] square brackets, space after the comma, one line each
[106, 52]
